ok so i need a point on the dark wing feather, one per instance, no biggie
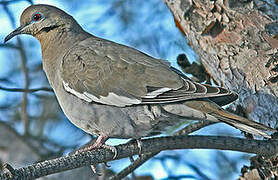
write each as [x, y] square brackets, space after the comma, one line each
[192, 90]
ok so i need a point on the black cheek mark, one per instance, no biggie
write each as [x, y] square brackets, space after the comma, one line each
[47, 29]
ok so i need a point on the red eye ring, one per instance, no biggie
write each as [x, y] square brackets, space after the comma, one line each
[37, 17]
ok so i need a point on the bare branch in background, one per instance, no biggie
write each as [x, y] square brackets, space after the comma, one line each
[24, 113]
[38, 144]
[26, 90]
[10, 15]
[8, 45]
[137, 163]
[8, 2]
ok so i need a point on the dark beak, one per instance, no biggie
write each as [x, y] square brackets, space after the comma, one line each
[17, 31]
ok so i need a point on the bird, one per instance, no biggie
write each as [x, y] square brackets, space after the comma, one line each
[114, 91]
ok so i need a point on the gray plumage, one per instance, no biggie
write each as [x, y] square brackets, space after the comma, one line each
[112, 90]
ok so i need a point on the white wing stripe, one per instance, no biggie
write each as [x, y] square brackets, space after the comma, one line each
[81, 96]
[157, 92]
[111, 99]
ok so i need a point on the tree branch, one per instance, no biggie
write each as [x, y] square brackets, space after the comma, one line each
[8, 45]
[24, 114]
[7, 2]
[26, 90]
[145, 157]
[261, 147]
[138, 162]
[194, 127]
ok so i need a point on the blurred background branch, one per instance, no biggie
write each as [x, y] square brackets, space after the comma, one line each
[26, 90]
[23, 57]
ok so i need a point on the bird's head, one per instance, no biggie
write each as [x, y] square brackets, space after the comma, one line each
[37, 19]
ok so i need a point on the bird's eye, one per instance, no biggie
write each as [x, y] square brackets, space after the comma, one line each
[37, 17]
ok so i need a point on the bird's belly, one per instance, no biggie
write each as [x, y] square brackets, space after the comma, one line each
[96, 119]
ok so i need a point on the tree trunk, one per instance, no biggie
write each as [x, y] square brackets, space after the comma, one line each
[236, 41]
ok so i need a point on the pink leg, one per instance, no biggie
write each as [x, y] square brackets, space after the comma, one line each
[98, 144]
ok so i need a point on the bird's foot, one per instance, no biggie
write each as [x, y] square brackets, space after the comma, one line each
[111, 148]
[139, 145]
[98, 144]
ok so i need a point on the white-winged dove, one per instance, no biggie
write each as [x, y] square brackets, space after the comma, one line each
[111, 90]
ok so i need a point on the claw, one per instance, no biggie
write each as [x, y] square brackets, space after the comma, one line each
[94, 169]
[131, 159]
[111, 148]
[139, 144]
[96, 145]
[106, 165]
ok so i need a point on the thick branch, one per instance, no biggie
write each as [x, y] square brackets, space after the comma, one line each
[145, 157]
[266, 148]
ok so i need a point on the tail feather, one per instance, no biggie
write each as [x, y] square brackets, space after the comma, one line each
[249, 126]
[236, 121]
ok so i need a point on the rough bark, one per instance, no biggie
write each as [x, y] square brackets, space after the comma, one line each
[266, 148]
[237, 44]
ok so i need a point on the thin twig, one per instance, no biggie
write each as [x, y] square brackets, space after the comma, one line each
[5, 2]
[24, 113]
[194, 127]
[138, 162]
[8, 45]
[26, 90]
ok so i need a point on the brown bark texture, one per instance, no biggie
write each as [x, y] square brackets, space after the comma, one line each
[237, 43]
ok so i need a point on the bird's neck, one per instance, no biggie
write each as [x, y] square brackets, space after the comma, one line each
[54, 45]
[56, 41]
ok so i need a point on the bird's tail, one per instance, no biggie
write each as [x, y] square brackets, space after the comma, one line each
[234, 120]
